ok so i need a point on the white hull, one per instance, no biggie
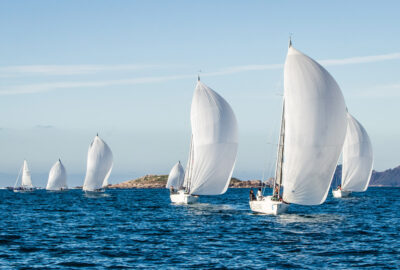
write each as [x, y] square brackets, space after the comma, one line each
[183, 198]
[96, 191]
[268, 206]
[24, 190]
[337, 193]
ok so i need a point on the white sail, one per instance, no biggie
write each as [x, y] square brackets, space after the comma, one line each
[57, 177]
[357, 157]
[99, 165]
[214, 142]
[176, 176]
[315, 128]
[26, 181]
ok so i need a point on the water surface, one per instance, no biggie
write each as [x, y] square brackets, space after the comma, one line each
[142, 229]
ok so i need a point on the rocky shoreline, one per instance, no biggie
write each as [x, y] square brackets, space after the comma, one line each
[159, 181]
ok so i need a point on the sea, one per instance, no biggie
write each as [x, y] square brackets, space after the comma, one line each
[141, 229]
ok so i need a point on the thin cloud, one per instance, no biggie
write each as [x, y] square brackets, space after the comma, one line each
[45, 87]
[44, 126]
[50, 70]
[360, 60]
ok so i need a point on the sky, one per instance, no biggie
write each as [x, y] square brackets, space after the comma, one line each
[127, 70]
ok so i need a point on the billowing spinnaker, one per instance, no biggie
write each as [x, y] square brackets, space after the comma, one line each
[215, 142]
[57, 177]
[26, 180]
[357, 157]
[315, 128]
[99, 165]
[176, 176]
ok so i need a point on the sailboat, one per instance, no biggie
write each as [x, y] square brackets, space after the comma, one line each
[26, 180]
[176, 177]
[357, 160]
[213, 147]
[57, 180]
[313, 129]
[99, 166]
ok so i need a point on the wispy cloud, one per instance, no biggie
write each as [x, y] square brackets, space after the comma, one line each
[84, 69]
[44, 126]
[45, 87]
[360, 59]
[49, 70]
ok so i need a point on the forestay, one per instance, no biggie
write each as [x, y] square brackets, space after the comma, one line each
[99, 165]
[176, 176]
[357, 157]
[57, 177]
[315, 128]
[214, 142]
[26, 180]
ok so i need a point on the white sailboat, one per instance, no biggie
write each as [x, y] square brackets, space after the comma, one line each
[213, 146]
[57, 177]
[26, 180]
[313, 129]
[357, 160]
[99, 166]
[176, 177]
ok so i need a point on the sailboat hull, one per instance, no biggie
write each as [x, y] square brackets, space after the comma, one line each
[23, 190]
[268, 206]
[183, 198]
[96, 191]
[337, 193]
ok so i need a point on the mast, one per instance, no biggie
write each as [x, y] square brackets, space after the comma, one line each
[186, 181]
[19, 173]
[279, 160]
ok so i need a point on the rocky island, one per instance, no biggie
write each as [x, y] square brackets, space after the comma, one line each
[159, 181]
[387, 178]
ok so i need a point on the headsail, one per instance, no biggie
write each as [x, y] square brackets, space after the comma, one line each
[357, 157]
[26, 181]
[176, 176]
[99, 165]
[214, 142]
[57, 177]
[315, 128]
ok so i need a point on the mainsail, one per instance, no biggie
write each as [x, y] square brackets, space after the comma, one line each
[57, 177]
[357, 157]
[176, 176]
[99, 165]
[214, 143]
[26, 181]
[315, 128]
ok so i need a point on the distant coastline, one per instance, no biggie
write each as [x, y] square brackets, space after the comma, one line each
[387, 178]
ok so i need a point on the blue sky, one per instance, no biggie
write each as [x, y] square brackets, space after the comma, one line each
[127, 69]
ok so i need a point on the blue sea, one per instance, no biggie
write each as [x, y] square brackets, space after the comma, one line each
[141, 229]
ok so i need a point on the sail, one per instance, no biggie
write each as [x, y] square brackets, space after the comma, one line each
[99, 165]
[26, 181]
[57, 177]
[176, 176]
[315, 128]
[214, 142]
[357, 157]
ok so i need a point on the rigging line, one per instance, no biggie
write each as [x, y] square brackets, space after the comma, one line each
[19, 173]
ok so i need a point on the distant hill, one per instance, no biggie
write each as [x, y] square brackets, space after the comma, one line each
[159, 181]
[387, 178]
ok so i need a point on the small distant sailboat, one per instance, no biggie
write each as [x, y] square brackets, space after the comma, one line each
[57, 180]
[313, 128]
[213, 148]
[26, 180]
[357, 160]
[99, 166]
[176, 177]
